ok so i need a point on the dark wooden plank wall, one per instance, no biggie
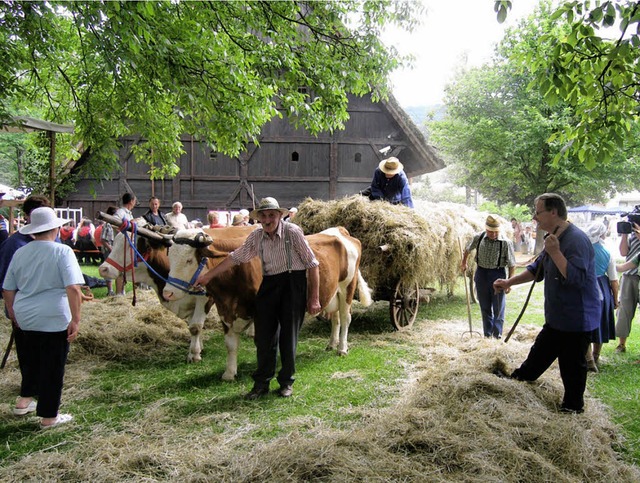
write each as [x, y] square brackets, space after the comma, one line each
[289, 164]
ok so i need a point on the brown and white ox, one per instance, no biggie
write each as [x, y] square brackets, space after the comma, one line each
[234, 291]
[193, 308]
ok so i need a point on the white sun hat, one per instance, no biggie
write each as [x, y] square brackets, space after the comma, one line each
[43, 219]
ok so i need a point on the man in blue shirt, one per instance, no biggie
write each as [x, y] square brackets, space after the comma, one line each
[391, 184]
[571, 301]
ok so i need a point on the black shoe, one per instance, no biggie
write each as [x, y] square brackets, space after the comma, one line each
[256, 392]
[285, 391]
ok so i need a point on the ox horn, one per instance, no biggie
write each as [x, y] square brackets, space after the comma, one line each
[201, 240]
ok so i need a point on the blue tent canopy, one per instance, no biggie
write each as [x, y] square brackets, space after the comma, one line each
[598, 210]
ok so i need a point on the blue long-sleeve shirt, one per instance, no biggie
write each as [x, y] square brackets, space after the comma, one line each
[571, 304]
[395, 190]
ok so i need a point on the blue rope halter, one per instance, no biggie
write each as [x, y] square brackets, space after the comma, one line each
[174, 282]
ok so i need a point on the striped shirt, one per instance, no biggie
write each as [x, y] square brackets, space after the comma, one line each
[492, 253]
[633, 253]
[273, 252]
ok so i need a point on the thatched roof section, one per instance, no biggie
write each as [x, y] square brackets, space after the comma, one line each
[427, 153]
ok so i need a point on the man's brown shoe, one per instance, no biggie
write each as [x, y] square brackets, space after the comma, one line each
[621, 348]
[256, 392]
[285, 391]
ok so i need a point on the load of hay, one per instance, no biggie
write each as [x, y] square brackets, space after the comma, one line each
[422, 245]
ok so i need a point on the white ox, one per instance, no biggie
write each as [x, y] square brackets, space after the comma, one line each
[193, 308]
[234, 291]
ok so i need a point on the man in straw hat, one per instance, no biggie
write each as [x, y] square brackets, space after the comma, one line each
[391, 184]
[572, 306]
[494, 254]
[288, 264]
[43, 299]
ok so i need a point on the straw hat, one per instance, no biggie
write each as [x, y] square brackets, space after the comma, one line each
[491, 224]
[268, 204]
[390, 166]
[43, 219]
[237, 220]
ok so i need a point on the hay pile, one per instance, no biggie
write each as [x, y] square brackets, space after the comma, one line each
[423, 243]
[453, 421]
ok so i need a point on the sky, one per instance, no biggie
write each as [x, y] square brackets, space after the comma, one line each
[451, 30]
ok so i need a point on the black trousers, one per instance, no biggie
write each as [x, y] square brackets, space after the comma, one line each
[42, 357]
[281, 304]
[570, 349]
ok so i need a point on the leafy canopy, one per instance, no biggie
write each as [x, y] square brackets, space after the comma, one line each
[593, 67]
[216, 70]
[503, 137]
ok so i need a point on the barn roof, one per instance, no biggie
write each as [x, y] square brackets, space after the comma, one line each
[428, 155]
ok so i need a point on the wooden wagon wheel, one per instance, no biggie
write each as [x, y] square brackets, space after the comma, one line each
[404, 304]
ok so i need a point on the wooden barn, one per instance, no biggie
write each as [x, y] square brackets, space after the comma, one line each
[289, 164]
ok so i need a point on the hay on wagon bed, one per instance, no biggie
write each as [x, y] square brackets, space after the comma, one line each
[422, 244]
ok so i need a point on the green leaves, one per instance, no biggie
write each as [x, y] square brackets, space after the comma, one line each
[592, 71]
[518, 126]
[216, 70]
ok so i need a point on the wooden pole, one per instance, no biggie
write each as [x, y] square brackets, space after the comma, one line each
[52, 167]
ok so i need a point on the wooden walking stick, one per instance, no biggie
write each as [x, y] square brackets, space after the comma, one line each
[8, 349]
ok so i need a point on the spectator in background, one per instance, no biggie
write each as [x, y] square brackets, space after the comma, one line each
[527, 240]
[176, 218]
[517, 235]
[291, 215]
[245, 215]
[66, 234]
[154, 216]
[124, 213]
[107, 237]
[391, 184]
[629, 285]
[608, 283]
[4, 229]
[128, 203]
[214, 220]
[239, 220]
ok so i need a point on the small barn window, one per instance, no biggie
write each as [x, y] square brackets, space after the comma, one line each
[295, 156]
[358, 158]
[213, 155]
[303, 90]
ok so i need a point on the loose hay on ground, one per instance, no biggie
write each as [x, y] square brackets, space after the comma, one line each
[453, 421]
[113, 329]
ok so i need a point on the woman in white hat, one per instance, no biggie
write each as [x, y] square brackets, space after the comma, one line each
[391, 184]
[42, 293]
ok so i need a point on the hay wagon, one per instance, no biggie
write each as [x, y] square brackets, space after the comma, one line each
[402, 252]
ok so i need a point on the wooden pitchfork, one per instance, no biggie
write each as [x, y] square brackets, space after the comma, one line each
[466, 291]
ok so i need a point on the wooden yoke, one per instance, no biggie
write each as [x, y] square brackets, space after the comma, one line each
[117, 222]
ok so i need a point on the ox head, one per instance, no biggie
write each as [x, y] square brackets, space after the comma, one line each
[185, 261]
[121, 258]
